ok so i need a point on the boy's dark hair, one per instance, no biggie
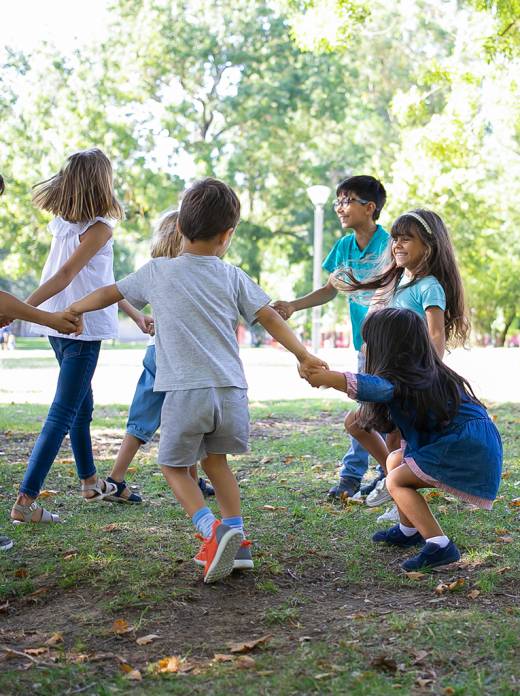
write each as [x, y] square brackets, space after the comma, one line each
[208, 208]
[366, 187]
[2, 185]
[399, 349]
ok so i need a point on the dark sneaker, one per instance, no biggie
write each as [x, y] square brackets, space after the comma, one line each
[432, 555]
[243, 559]
[118, 497]
[5, 543]
[395, 537]
[220, 550]
[207, 490]
[347, 485]
[369, 487]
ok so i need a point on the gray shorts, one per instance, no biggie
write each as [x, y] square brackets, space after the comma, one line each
[198, 422]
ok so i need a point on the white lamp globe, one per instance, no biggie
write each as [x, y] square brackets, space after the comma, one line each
[318, 194]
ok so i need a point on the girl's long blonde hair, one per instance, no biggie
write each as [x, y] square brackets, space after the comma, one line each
[82, 190]
[167, 240]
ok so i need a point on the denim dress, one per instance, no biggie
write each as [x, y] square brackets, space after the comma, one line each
[464, 457]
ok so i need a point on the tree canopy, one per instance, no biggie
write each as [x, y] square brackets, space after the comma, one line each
[274, 97]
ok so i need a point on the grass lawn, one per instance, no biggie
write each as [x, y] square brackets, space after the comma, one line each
[335, 614]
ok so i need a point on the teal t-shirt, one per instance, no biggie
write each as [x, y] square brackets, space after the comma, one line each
[363, 262]
[425, 292]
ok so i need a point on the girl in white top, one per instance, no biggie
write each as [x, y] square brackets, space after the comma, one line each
[81, 196]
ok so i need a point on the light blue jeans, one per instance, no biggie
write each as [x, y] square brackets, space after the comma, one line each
[355, 462]
[144, 416]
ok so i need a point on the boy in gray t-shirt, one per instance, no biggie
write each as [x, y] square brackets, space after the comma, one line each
[197, 299]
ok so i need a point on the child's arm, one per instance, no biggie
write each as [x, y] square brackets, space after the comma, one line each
[313, 299]
[13, 308]
[92, 241]
[99, 299]
[435, 321]
[276, 326]
[143, 321]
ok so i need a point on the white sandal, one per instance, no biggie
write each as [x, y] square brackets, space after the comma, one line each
[27, 511]
[101, 489]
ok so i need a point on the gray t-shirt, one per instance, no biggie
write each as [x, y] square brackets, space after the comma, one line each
[196, 303]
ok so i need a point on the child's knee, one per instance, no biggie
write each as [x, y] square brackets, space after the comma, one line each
[394, 459]
[392, 482]
[351, 425]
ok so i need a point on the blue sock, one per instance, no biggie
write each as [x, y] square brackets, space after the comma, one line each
[203, 519]
[235, 522]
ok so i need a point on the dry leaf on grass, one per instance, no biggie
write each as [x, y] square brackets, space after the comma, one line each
[245, 662]
[113, 527]
[249, 645]
[4, 608]
[503, 570]
[504, 539]
[415, 574]
[443, 587]
[47, 493]
[501, 531]
[273, 508]
[134, 675]
[422, 682]
[132, 469]
[433, 494]
[36, 651]
[21, 573]
[448, 691]
[473, 594]
[221, 657]
[144, 640]
[419, 656]
[168, 664]
[54, 639]
[120, 627]
[514, 503]
[71, 555]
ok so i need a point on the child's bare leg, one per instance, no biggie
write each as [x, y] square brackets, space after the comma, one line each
[194, 473]
[224, 483]
[371, 441]
[394, 460]
[129, 448]
[403, 485]
[184, 488]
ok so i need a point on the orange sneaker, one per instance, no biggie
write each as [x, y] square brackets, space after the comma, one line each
[219, 551]
[243, 559]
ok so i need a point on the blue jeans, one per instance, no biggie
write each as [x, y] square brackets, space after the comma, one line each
[144, 416]
[70, 412]
[355, 462]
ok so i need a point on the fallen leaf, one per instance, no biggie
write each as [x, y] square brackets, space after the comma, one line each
[323, 675]
[514, 503]
[36, 651]
[448, 691]
[125, 667]
[503, 570]
[432, 494]
[501, 531]
[132, 469]
[245, 662]
[247, 646]
[47, 493]
[120, 627]
[221, 657]
[21, 573]
[144, 640]
[441, 588]
[36, 593]
[473, 594]
[4, 608]
[273, 508]
[506, 474]
[70, 556]
[384, 663]
[423, 682]
[415, 575]
[113, 527]
[419, 656]
[168, 664]
[456, 584]
[504, 539]
[134, 675]
[54, 639]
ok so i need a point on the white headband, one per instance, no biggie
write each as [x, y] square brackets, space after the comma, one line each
[421, 220]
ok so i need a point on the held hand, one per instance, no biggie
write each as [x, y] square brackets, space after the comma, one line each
[65, 322]
[317, 377]
[4, 320]
[309, 364]
[79, 328]
[146, 323]
[284, 309]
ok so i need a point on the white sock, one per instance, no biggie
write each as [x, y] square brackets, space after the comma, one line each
[441, 541]
[407, 531]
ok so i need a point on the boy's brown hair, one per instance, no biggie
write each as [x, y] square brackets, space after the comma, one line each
[167, 239]
[82, 190]
[208, 208]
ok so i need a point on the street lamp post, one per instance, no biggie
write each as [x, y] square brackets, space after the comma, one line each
[318, 196]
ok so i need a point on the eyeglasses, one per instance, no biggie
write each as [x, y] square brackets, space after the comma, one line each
[344, 202]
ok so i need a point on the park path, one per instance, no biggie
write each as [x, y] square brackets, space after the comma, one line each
[271, 373]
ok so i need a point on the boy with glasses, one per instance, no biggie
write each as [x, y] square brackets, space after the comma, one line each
[358, 205]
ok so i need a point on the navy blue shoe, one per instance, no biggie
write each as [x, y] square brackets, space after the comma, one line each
[347, 485]
[395, 537]
[117, 497]
[432, 555]
[206, 489]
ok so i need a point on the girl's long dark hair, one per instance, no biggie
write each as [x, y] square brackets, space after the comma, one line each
[399, 349]
[439, 261]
